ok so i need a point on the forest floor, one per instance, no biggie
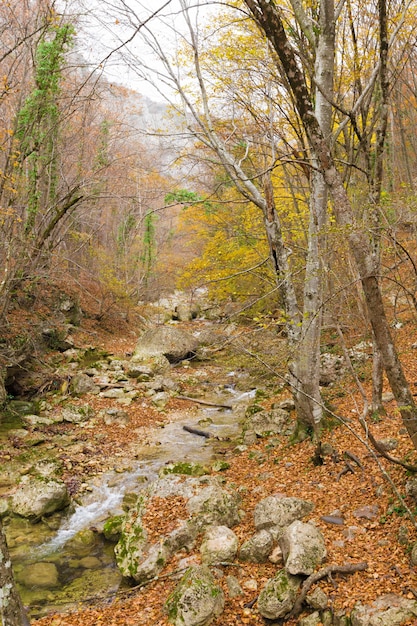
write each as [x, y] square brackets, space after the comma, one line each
[382, 534]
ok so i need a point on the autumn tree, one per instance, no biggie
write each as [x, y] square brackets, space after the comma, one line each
[268, 17]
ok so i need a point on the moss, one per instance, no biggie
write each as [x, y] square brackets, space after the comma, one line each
[188, 469]
[112, 527]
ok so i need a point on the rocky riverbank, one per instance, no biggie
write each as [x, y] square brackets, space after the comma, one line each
[102, 417]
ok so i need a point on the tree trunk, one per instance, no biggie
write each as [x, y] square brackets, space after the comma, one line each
[308, 399]
[269, 20]
[11, 608]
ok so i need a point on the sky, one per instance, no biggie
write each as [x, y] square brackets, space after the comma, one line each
[106, 25]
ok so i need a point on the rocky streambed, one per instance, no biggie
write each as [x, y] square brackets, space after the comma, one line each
[103, 487]
[79, 456]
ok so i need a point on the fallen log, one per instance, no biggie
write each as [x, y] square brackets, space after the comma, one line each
[205, 402]
[197, 431]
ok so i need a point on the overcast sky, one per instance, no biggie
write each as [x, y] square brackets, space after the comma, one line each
[107, 25]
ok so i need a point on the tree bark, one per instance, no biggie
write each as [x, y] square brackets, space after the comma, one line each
[267, 16]
[308, 398]
[11, 607]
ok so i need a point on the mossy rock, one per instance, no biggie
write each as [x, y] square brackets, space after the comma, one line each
[183, 467]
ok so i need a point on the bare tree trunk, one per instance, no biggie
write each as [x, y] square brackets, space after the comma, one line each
[11, 609]
[308, 398]
[269, 20]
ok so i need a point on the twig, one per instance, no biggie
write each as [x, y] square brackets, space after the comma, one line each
[197, 431]
[205, 402]
[351, 568]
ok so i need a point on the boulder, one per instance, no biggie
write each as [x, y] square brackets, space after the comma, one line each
[197, 600]
[152, 561]
[82, 384]
[258, 548]
[43, 575]
[38, 495]
[219, 545]
[278, 596]
[171, 342]
[77, 414]
[275, 513]
[130, 549]
[387, 610]
[215, 506]
[268, 422]
[303, 548]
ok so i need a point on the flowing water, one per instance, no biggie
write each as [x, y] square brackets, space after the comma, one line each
[76, 564]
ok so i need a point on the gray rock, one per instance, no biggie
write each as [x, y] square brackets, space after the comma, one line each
[32, 421]
[219, 544]
[258, 548]
[215, 506]
[275, 513]
[197, 600]
[331, 367]
[317, 599]
[369, 511]
[171, 342]
[43, 575]
[82, 384]
[77, 414]
[37, 496]
[278, 596]
[115, 416]
[142, 373]
[267, 422]
[388, 610]
[233, 587]
[133, 540]
[311, 620]
[151, 563]
[303, 548]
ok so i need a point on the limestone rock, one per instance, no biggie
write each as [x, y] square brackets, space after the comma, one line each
[258, 548]
[197, 600]
[388, 610]
[171, 342]
[275, 513]
[219, 544]
[311, 620]
[278, 596]
[131, 546]
[82, 384]
[77, 414]
[214, 505]
[37, 496]
[303, 548]
[267, 422]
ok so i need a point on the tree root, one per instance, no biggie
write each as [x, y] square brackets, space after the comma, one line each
[350, 568]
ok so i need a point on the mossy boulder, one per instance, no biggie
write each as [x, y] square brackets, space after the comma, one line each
[133, 540]
[197, 600]
[278, 596]
[215, 506]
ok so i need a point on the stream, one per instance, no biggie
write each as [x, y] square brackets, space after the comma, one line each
[62, 560]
